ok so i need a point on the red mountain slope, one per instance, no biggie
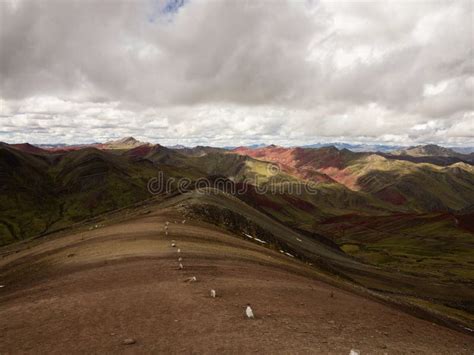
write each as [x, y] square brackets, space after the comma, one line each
[29, 148]
[319, 165]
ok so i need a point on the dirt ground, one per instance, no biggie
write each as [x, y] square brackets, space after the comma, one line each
[88, 291]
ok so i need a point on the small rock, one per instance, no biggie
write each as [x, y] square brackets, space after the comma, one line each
[71, 255]
[129, 341]
[354, 352]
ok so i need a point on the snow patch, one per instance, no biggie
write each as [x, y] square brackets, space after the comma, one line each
[255, 238]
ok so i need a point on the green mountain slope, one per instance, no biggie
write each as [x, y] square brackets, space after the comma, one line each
[41, 193]
[28, 203]
[407, 186]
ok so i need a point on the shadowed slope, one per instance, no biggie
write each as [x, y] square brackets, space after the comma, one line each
[41, 193]
[239, 218]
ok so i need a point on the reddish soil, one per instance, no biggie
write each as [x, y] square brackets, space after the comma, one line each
[71, 148]
[140, 151]
[322, 165]
[85, 292]
[406, 218]
[466, 221]
[391, 196]
[299, 203]
[343, 177]
[28, 148]
[254, 198]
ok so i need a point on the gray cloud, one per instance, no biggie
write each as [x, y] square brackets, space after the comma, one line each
[236, 72]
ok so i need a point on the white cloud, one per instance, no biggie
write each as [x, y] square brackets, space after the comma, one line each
[235, 72]
[434, 89]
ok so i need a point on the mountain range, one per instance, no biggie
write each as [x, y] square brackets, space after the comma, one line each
[398, 224]
[83, 181]
[359, 147]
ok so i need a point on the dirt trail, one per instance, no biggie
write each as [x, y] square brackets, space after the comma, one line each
[88, 291]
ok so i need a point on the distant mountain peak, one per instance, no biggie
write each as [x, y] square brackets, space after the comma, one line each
[427, 150]
[129, 140]
[177, 146]
[126, 142]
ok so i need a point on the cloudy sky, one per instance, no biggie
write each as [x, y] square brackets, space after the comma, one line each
[237, 72]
